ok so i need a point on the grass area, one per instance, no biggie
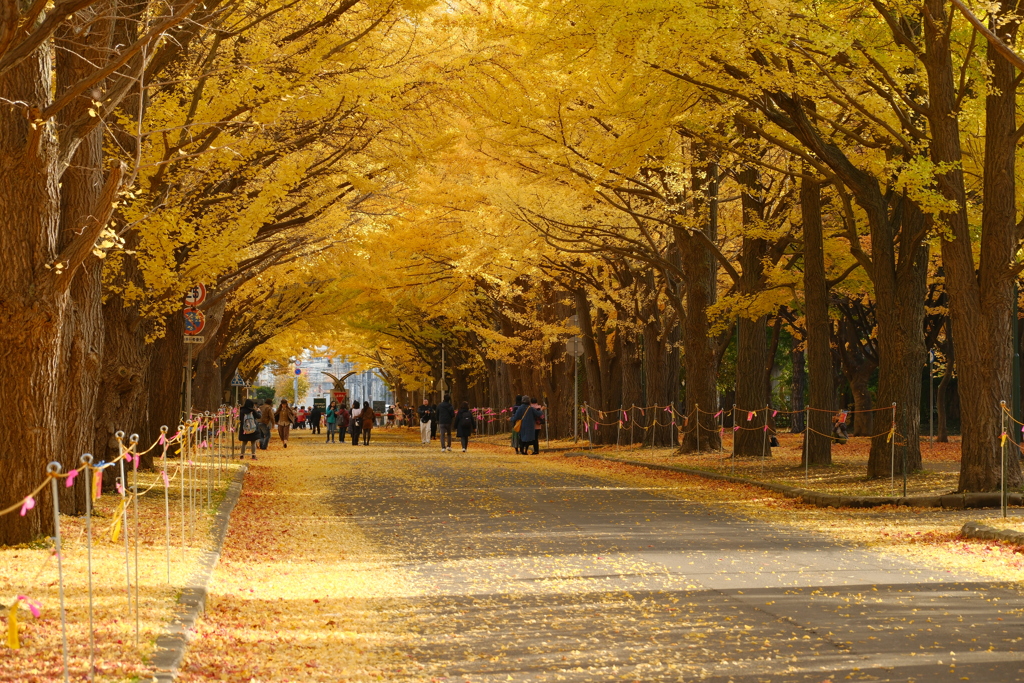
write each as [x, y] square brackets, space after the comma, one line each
[31, 570]
[845, 476]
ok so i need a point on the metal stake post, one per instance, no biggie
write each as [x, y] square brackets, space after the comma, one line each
[618, 430]
[807, 442]
[86, 460]
[733, 458]
[892, 440]
[575, 397]
[696, 420]
[1002, 459]
[123, 480]
[167, 505]
[134, 440]
[181, 479]
[54, 469]
[764, 439]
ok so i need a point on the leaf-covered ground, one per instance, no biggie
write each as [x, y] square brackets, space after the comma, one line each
[783, 464]
[31, 570]
[396, 562]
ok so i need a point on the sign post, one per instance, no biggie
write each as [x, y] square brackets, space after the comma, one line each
[236, 382]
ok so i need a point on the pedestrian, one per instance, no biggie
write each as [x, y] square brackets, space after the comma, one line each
[285, 417]
[445, 416]
[433, 420]
[465, 424]
[368, 417]
[314, 419]
[391, 415]
[513, 411]
[399, 416]
[526, 419]
[248, 432]
[355, 425]
[332, 421]
[839, 426]
[425, 418]
[300, 418]
[266, 420]
[341, 412]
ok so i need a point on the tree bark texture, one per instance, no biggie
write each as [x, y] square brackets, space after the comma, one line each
[818, 448]
[980, 295]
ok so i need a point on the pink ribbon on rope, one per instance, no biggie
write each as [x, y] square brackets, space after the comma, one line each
[70, 481]
[750, 416]
[29, 503]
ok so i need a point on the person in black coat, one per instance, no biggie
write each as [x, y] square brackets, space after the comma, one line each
[445, 416]
[248, 410]
[314, 419]
[465, 424]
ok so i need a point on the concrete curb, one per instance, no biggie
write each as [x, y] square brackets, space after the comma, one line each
[989, 533]
[953, 501]
[173, 643]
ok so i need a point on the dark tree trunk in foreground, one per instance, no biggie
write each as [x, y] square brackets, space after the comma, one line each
[980, 294]
[818, 449]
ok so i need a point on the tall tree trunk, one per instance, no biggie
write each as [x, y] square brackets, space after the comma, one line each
[752, 350]
[980, 297]
[700, 355]
[632, 392]
[818, 449]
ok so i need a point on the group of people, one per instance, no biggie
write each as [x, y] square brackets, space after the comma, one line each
[440, 419]
[255, 422]
[360, 420]
[527, 419]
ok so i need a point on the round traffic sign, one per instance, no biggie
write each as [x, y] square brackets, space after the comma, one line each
[195, 321]
[195, 295]
[298, 371]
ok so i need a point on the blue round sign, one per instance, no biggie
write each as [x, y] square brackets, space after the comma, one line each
[298, 371]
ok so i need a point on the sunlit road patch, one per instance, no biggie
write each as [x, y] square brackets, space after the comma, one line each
[523, 571]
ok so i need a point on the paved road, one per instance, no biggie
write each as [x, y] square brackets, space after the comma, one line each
[531, 573]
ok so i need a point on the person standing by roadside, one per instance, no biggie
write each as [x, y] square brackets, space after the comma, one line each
[399, 416]
[514, 413]
[248, 431]
[355, 425]
[314, 419]
[368, 417]
[285, 416]
[266, 419]
[465, 424]
[391, 415]
[332, 422]
[445, 415]
[426, 415]
[300, 418]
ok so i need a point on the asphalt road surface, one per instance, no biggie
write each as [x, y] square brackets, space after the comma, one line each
[524, 572]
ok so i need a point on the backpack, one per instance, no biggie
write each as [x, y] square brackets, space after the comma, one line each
[248, 424]
[466, 420]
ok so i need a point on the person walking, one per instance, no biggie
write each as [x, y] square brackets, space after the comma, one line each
[285, 416]
[426, 415]
[332, 422]
[355, 424]
[391, 415]
[445, 416]
[528, 419]
[248, 432]
[314, 419]
[368, 417]
[266, 420]
[300, 418]
[465, 424]
[399, 416]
